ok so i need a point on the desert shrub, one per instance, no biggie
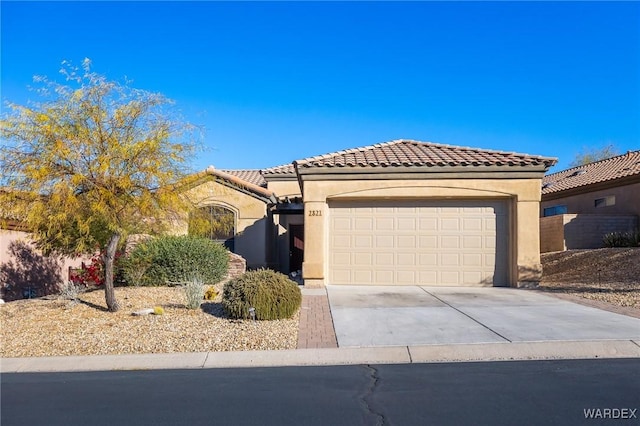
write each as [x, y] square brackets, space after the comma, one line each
[175, 260]
[211, 293]
[194, 292]
[71, 291]
[622, 239]
[273, 295]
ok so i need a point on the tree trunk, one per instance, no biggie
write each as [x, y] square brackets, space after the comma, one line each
[109, 260]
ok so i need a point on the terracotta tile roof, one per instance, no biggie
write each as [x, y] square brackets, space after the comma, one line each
[285, 169]
[257, 190]
[409, 153]
[622, 166]
[251, 176]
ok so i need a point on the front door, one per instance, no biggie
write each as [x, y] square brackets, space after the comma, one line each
[296, 247]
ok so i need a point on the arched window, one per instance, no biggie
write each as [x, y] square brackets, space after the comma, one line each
[214, 222]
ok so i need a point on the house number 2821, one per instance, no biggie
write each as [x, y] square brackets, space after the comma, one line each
[315, 212]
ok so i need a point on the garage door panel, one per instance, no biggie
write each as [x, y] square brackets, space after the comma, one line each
[384, 224]
[406, 242]
[490, 243]
[341, 275]
[341, 259]
[472, 224]
[363, 276]
[449, 259]
[471, 277]
[406, 224]
[340, 241]
[363, 241]
[384, 210]
[385, 241]
[363, 259]
[473, 260]
[384, 276]
[428, 224]
[450, 224]
[406, 259]
[428, 259]
[405, 277]
[489, 225]
[341, 224]
[363, 224]
[450, 278]
[384, 259]
[472, 242]
[426, 242]
[450, 242]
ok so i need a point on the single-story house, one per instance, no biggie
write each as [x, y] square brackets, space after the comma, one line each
[582, 204]
[397, 213]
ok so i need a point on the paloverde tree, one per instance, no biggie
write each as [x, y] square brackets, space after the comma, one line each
[93, 162]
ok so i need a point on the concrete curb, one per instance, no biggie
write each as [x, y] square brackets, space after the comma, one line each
[522, 351]
[332, 356]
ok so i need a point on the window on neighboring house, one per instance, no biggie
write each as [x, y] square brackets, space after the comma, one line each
[554, 210]
[609, 200]
[214, 222]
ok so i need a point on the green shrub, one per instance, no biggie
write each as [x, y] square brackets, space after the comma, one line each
[273, 295]
[622, 239]
[175, 260]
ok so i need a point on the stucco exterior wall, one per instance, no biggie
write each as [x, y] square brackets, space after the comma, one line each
[523, 196]
[627, 201]
[552, 234]
[21, 265]
[252, 221]
[285, 188]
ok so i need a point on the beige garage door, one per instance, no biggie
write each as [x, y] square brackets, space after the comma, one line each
[418, 242]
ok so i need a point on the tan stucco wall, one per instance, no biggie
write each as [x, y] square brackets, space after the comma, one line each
[285, 188]
[552, 234]
[627, 201]
[524, 196]
[60, 266]
[252, 222]
[581, 231]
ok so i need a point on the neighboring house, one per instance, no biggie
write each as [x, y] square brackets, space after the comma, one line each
[582, 204]
[397, 213]
[24, 271]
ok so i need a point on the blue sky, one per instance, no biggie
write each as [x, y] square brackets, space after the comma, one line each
[275, 82]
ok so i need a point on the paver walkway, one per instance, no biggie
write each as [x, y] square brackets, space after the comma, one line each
[316, 324]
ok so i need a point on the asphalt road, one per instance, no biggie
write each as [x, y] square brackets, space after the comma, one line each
[491, 393]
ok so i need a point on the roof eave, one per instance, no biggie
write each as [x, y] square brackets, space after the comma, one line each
[598, 186]
[433, 172]
[279, 177]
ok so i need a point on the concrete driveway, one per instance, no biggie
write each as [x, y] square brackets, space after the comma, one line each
[366, 316]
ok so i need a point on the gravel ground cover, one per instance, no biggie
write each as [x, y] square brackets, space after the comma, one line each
[55, 326]
[52, 327]
[610, 275]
